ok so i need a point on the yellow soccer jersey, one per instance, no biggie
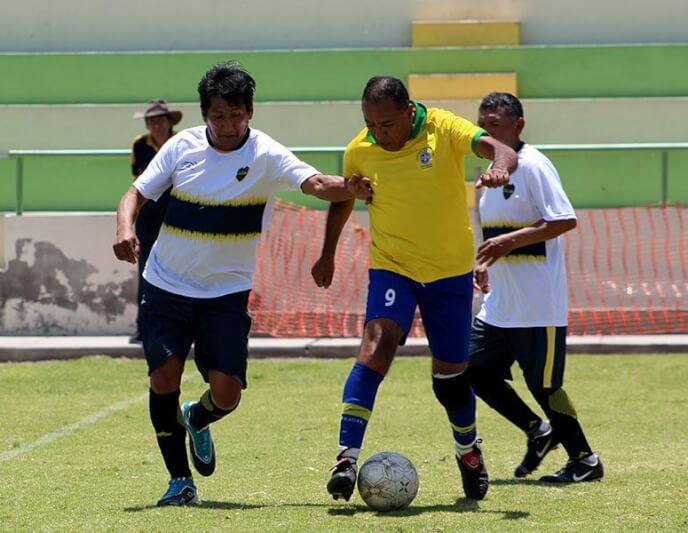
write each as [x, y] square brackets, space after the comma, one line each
[419, 221]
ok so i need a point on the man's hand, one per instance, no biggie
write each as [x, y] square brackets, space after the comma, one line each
[492, 249]
[493, 177]
[360, 187]
[481, 280]
[126, 245]
[323, 271]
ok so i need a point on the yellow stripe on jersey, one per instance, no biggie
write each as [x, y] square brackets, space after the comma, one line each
[351, 409]
[507, 224]
[518, 259]
[419, 221]
[208, 237]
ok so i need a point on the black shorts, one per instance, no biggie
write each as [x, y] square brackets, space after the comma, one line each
[218, 328]
[539, 351]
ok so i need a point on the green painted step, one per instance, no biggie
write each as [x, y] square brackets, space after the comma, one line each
[543, 72]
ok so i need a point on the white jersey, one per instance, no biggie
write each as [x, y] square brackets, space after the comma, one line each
[528, 285]
[220, 204]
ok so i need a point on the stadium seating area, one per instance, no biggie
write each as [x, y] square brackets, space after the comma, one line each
[572, 94]
[576, 97]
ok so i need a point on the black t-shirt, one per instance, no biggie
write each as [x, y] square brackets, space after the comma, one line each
[151, 214]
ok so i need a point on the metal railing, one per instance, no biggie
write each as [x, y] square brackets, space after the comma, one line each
[662, 148]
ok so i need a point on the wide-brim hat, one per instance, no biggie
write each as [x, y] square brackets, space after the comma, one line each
[159, 108]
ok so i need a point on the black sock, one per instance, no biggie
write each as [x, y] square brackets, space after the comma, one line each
[206, 412]
[562, 415]
[171, 434]
[499, 395]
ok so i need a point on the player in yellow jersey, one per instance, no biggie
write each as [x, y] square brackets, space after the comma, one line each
[421, 255]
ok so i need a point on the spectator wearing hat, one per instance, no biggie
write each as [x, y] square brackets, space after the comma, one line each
[160, 120]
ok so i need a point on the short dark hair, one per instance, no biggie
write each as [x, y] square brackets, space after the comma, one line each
[229, 81]
[381, 88]
[511, 105]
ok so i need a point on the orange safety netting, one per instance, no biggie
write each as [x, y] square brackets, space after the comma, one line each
[627, 274]
[627, 271]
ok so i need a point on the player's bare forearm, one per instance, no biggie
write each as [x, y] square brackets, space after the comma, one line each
[337, 215]
[504, 162]
[323, 268]
[502, 156]
[126, 244]
[338, 189]
[493, 249]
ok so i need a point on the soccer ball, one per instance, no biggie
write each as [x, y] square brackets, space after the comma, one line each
[387, 481]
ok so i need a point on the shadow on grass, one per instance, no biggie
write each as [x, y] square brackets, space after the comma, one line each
[205, 504]
[461, 506]
[515, 481]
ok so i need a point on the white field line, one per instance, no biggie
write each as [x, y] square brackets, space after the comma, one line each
[71, 428]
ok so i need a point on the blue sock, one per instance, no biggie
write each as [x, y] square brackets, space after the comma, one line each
[456, 395]
[358, 399]
[463, 422]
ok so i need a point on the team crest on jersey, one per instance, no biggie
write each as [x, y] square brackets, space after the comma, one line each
[508, 190]
[425, 157]
[241, 173]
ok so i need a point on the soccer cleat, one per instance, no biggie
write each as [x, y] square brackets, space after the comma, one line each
[473, 473]
[343, 479]
[577, 471]
[181, 491]
[200, 444]
[537, 448]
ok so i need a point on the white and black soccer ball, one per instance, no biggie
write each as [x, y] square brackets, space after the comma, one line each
[387, 481]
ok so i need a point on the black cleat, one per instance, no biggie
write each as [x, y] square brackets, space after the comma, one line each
[537, 448]
[577, 471]
[343, 480]
[473, 473]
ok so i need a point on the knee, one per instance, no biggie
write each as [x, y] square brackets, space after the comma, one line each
[380, 341]
[226, 396]
[165, 380]
[452, 392]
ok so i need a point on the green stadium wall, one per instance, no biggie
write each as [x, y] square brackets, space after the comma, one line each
[543, 72]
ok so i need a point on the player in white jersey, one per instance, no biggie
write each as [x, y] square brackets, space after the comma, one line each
[224, 176]
[524, 314]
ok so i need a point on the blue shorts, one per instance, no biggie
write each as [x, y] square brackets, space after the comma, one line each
[445, 307]
[539, 351]
[218, 328]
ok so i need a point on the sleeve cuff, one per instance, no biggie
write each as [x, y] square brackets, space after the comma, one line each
[474, 142]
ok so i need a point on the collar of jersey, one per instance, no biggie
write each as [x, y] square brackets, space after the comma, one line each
[419, 121]
[207, 137]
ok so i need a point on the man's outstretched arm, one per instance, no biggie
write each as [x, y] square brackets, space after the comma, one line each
[337, 215]
[126, 246]
[504, 162]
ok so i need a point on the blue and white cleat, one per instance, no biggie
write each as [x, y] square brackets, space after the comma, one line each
[181, 491]
[200, 444]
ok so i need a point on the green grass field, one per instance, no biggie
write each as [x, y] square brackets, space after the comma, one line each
[77, 452]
